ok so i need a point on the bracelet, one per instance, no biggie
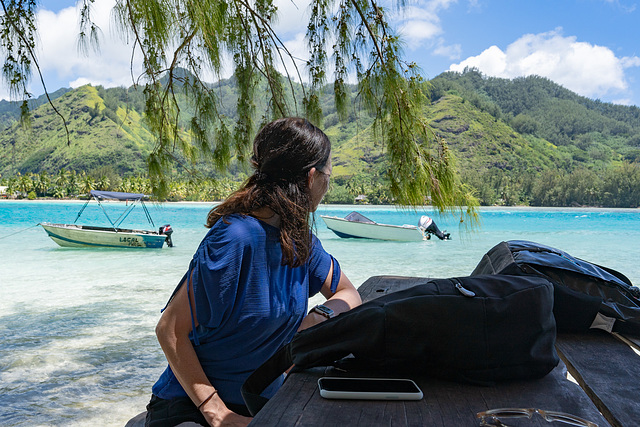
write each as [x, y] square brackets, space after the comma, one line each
[207, 399]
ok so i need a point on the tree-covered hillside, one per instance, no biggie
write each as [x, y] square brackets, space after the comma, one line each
[105, 129]
[593, 132]
[10, 111]
[523, 141]
[530, 141]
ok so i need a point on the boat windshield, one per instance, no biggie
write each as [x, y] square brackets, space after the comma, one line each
[358, 217]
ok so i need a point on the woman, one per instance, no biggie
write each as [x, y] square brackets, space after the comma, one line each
[246, 291]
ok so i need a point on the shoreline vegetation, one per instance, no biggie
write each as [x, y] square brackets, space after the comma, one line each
[612, 188]
[326, 205]
[334, 205]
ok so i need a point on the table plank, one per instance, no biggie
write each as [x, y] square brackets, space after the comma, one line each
[609, 372]
[287, 408]
[445, 403]
[378, 286]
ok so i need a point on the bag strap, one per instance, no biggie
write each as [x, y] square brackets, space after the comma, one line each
[631, 290]
[622, 277]
[626, 328]
[262, 377]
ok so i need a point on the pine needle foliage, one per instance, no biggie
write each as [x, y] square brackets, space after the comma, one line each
[346, 39]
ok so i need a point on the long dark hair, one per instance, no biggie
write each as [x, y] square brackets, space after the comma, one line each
[284, 151]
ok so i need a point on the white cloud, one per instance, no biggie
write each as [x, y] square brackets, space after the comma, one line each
[628, 62]
[415, 31]
[62, 64]
[59, 55]
[297, 47]
[625, 8]
[111, 66]
[451, 52]
[420, 22]
[586, 69]
[292, 16]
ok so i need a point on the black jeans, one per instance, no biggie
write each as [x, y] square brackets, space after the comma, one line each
[171, 412]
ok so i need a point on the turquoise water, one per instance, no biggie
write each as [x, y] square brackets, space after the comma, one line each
[77, 345]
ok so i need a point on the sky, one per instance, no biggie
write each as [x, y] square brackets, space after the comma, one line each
[591, 47]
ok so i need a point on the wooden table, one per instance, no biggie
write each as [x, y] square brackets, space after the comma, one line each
[606, 369]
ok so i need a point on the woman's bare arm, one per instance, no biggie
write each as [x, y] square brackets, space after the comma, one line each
[173, 334]
[344, 299]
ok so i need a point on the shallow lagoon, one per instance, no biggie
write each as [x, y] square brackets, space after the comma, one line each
[77, 324]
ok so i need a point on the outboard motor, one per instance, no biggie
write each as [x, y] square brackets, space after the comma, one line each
[167, 230]
[428, 225]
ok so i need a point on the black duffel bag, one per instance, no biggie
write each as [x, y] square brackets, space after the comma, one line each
[478, 329]
[587, 295]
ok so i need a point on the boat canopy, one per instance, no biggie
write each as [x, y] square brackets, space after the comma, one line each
[116, 195]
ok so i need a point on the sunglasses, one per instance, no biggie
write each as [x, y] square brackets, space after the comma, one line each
[494, 417]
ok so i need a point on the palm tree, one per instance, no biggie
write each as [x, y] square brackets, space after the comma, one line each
[59, 192]
[61, 181]
[103, 183]
[127, 185]
[25, 184]
[87, 183]
[42, 182]
[73, 184]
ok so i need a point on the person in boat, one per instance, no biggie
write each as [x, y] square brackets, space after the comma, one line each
[246, 290]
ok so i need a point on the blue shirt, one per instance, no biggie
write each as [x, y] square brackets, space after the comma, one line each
[246, 302]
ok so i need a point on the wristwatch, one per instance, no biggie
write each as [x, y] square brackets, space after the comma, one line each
[322, 310]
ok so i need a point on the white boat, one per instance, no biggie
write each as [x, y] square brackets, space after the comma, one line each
[356, 225]
[72, 235]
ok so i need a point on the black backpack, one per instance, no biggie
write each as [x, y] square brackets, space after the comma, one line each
[586, 295]
[475, 329]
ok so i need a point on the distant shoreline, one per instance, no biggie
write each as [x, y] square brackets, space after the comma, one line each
[350, 206]
[41, 200]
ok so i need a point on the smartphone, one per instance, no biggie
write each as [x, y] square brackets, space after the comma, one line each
[369, 388]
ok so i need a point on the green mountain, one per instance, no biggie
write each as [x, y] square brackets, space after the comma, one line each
[10, 111]
[105, 128]
[590, 131]
[521, 141]
[482, 142]
[531, 141]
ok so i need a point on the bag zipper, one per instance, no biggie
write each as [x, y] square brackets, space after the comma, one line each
[464, 291]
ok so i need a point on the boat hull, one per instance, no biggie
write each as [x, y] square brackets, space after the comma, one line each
[363, 230]
[70, 235]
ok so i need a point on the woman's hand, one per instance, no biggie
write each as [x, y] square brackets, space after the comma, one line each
[218, 415]
[230, 419]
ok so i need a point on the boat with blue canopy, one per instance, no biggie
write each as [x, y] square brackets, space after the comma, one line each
[74, 235]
